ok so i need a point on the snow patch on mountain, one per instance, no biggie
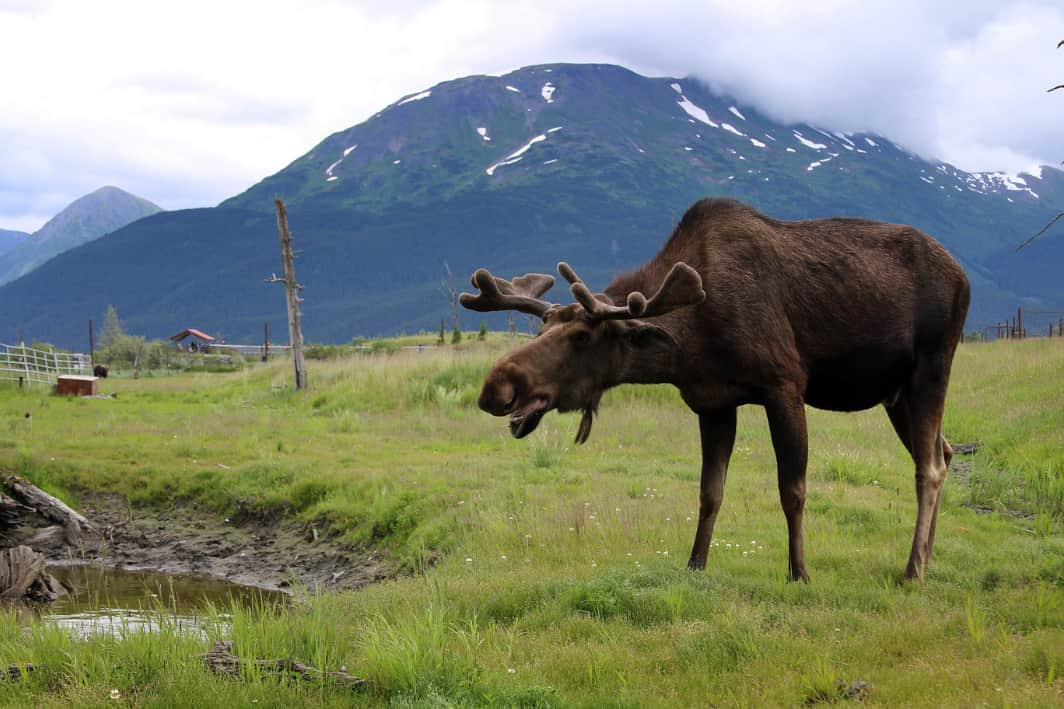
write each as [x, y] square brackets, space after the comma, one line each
[415, 97]
[547, 92]
[817, 163]
[732, 129]
[757, 143]
[736, 112]
[513, 88]
[985, 182]
[516, 155]
[483, 133]
[808, 143]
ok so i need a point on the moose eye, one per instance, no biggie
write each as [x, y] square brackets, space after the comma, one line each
[582, 338]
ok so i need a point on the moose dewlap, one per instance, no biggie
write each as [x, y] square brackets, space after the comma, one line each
[840, 314]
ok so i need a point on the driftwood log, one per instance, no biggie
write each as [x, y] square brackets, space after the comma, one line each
[23, 577]
[48, 506]
[221, 659]
[16, 672]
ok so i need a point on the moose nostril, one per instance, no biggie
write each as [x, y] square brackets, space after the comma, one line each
[497, 397]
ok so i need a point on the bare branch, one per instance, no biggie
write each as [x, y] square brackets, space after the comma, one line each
[1042, 231]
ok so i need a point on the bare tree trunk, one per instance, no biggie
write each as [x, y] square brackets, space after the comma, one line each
[22, 577]
[51, 507]
[136, 361]
[292, 288]
[452, 291]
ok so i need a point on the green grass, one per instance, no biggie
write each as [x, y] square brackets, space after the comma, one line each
[558, 572]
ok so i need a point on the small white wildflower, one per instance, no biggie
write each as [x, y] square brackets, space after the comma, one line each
[629, 553]
[591, 516]
[511, 670]
[665, 553]
[753, 542]
[593, 564]
[572, 529]
[587, 504]
[469, 560]
[461, 502]
[744, 553]
[618, 509]
[528, 536]
[503, 557]
[687, 519]
[668, 519]
[115, 694]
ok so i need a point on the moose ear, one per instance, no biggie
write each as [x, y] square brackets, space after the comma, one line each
[643, 335]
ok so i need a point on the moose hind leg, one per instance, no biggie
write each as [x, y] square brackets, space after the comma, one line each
[947, 456]
[927, 398]
[786, 421]
[718, 438]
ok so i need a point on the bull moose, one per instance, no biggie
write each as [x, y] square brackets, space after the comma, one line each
[840, 314]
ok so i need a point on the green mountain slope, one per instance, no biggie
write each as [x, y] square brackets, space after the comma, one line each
[84, 220]
[588, 163]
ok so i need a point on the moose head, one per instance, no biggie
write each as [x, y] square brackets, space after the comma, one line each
[582, 349]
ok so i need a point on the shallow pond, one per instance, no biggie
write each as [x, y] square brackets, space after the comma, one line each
[114, 601]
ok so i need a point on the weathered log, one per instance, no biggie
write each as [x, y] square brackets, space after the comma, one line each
[15, 672]
[9, 512]
[47, 505]
[23, 577]
[221, 659]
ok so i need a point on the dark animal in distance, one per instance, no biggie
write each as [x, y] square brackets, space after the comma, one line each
[100, 370]
[840, 314]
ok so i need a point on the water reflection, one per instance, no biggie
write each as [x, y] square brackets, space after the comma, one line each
[116, 602]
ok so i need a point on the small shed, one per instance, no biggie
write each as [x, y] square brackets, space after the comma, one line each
[75, 385]
[199, 342]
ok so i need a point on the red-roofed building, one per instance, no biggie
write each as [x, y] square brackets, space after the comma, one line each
[200, 340]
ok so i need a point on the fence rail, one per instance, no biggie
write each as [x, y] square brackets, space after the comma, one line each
[27, 365]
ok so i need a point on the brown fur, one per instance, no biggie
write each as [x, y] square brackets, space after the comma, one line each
[840, 314]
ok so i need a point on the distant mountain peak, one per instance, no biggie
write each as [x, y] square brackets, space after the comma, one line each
[85, 219]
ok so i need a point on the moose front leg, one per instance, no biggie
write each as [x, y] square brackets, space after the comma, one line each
[717, 430]
[786, 422]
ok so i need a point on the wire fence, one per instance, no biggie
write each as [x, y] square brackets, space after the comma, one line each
[27, 365]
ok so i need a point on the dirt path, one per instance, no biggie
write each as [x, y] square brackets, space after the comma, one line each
[280, 554]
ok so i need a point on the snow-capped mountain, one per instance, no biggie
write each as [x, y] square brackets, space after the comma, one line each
[588, 163]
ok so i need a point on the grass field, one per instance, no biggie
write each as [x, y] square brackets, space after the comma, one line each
[545, 574]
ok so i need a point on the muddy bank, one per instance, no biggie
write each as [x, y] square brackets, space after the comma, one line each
[275, 554]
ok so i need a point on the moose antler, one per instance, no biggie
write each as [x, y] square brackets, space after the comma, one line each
[681, 287]
[521, 294]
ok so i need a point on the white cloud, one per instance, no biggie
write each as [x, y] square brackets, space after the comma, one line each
[189, 104]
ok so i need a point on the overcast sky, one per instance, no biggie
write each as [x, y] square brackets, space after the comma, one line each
[188, 103]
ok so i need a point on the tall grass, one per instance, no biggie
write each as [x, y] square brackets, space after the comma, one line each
[549, 574]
